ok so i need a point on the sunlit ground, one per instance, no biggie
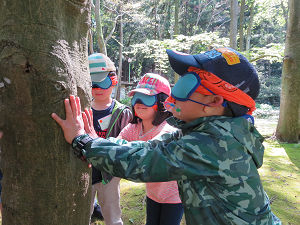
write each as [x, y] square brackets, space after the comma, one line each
[280, 175]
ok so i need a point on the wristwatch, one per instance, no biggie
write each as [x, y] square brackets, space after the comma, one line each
[78, 144]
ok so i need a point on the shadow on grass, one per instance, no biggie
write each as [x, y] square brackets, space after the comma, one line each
[280, 176]
[293, 152]
[133, 203]
[282, 206]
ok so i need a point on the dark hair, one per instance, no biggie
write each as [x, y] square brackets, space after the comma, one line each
[161, 114]
[233, 109]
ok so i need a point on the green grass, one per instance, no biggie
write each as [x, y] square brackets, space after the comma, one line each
[281, 180]
[133, 211]
[280, 174]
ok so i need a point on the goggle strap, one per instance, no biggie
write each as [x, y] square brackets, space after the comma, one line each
[207, 89]
[197, 102]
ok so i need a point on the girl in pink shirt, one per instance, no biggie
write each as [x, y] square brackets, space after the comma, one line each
[164, 206]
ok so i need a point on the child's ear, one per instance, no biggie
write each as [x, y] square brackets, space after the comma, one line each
[216, 100]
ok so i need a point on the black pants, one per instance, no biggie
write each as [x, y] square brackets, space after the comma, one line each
[163, 213]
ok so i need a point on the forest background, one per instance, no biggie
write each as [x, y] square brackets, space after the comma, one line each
[150, 27]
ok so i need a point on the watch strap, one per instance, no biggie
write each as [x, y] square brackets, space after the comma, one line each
[78, 145]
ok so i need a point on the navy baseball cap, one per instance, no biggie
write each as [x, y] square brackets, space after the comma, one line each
[226, 63]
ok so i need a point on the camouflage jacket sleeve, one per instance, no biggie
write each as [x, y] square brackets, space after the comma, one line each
[163, 159]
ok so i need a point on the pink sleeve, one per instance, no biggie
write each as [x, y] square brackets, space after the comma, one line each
[126, 132]
[166, 129]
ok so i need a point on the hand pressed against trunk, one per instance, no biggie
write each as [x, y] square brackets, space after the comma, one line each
[73, 125]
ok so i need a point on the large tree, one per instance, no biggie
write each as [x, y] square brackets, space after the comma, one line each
[288, 128]
[43, 59]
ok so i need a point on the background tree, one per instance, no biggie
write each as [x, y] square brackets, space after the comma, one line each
[288, 128]
[249, 28]
[241, 26]
[120, 52]
[176, 28]
[43, 59]
[99, 33]
[98, 26]
[233, 23]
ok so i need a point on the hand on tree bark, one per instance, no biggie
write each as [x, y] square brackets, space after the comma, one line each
[73, 125]
[87, 117]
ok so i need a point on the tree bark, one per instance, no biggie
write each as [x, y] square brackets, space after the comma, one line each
[176, 17]
[288, 128]
[118, 91]
[249, 29]
[241, 27]
[233, 23]
[176, 29]
[43, 59]
[91, 42]
[99, 33]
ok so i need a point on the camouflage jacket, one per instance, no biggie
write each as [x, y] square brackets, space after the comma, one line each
[214, 160]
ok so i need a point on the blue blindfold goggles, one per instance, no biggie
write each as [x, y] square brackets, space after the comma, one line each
[147, 100]
[105, 84]
[186, 86]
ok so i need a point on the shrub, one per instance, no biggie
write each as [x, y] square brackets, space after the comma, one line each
[266, 111]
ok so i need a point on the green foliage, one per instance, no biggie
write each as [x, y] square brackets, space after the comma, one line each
[272, 52]
[153, 52]
[270, 10]
[126, 101]
[266, 111]
[268, 62]
[269, 22]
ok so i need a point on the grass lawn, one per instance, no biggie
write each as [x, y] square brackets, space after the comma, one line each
[280, 174]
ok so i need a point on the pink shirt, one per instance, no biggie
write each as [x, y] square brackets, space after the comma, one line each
[161, 192]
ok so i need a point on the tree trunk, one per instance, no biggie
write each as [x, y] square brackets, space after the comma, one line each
[176, 29]
[241, 30]
[155, 20]
[99, 33]
[118, 91]
[285, 12]
[43, 59]
[233, 23]
[176, 17]
[91, 43]
[249, 29]
[288, 128]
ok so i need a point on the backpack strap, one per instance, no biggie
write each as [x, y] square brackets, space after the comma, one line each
[118, 108]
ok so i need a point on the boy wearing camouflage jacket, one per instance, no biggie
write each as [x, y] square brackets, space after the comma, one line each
[215, 157]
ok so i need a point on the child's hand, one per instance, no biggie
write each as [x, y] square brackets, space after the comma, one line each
[73, 125]
[87, 116]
